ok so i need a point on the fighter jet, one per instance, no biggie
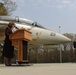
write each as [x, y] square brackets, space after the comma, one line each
[41, 36]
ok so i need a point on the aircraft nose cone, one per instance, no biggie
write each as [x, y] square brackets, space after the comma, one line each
[64, 39]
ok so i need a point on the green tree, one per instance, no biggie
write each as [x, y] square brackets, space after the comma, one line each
[7, 7]
[3, 10]
[69, 47]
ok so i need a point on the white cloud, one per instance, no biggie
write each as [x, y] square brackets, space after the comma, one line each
[48, 3]
[66, 2]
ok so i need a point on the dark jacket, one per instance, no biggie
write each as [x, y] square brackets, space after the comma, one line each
[8, 49]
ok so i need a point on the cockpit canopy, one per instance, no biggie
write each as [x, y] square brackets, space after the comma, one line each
[37, 24]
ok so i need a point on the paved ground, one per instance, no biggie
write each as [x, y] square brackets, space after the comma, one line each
[40, 69]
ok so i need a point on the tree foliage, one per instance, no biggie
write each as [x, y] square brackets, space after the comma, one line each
[3, 10]
[69, 35]
[7, 7]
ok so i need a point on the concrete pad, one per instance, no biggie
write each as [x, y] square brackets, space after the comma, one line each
[40, 69]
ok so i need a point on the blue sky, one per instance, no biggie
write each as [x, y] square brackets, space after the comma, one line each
[49, 13]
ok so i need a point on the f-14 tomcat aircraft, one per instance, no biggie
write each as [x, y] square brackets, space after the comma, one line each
[40, 34]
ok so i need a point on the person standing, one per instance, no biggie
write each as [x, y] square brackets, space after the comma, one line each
[8, 49]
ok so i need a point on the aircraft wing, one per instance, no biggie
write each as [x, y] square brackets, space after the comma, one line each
[3, 25]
